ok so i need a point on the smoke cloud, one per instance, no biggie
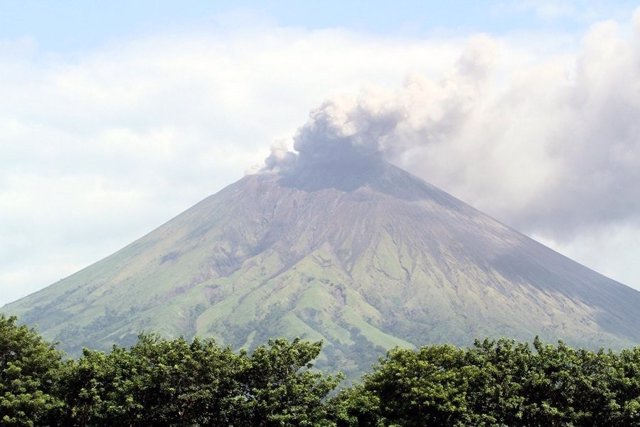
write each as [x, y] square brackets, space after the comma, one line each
[550, 145]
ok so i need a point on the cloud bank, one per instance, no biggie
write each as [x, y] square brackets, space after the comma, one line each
[98, 147]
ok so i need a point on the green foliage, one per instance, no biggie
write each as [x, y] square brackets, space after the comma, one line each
[175, 382]
[281, 390]
[497, 383]
[29, 368]
[157, 382]
[413, 388]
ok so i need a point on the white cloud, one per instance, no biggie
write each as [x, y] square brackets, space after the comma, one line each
[97, 148]
[611, 250]
[549, 10]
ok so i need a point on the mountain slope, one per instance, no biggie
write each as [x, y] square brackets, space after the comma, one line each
[364, 258]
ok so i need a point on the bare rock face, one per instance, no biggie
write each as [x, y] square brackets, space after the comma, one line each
[363, 256]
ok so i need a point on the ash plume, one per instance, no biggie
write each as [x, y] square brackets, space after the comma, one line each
[550, 145]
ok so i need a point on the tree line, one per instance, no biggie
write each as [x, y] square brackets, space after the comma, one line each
[165, 382]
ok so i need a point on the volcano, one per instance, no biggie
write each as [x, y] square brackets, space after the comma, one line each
[363, 256]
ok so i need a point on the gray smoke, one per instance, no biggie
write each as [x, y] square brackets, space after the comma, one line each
[551, 146]
[340, 133]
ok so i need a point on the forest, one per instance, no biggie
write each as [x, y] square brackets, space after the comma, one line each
[167, 382]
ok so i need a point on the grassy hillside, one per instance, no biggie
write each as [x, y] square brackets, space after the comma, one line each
[386, 261]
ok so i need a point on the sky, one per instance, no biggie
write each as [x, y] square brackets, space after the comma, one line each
[117, 116]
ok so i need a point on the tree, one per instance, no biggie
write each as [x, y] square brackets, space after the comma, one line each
[497, 383]
[280, 389]
[411, 388]
[29, 369]
[156, 382]
[164, 382]
[173, 382]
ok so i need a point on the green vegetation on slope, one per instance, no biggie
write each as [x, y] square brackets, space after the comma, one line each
[174, 382]
[390, 262]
